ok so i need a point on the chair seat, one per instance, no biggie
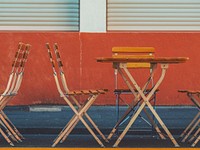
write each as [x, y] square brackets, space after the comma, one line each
[119, 91]
[87, 92]
[189, 91]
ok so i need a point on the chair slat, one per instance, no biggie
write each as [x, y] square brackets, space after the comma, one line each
[94, 91]
[101, 91]
[86, 91]
[133, 49]
[189, 91]
[78, 92]
[132, 56]
[71, 93]
[138, 65]
[134, 52]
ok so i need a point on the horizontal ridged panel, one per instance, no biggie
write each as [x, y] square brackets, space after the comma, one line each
[39, 15]
[153, 15]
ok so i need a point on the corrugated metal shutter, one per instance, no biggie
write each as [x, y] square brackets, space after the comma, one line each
[153, 15]
[39, 15]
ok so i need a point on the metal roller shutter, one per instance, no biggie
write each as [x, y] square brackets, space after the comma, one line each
[153, 15]
[62, 15]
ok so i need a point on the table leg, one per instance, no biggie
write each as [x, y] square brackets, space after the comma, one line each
[154, 125]
[146, 100]
[134, 117]
[163, 125]
[134, 102]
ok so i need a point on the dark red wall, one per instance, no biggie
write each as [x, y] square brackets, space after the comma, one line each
[79, 50]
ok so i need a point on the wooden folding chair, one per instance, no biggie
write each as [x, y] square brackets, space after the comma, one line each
[133, 52]
[69, 97]
[194, 96]
[13, 85]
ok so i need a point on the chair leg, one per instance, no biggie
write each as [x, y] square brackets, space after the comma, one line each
[94, 125]
[9, 127]
[154, 124]
[191, 123]
[196, 141]
[78, 116]
[96, 128]
[69, 131]
[195, 135]
[8, 132]
[15, 129]
[60, 136]
[83, 111]
[91, 132]
[8, 123]
[70, 126]
[64, 128]
[188, 134]
[90, 120]
[6, 138]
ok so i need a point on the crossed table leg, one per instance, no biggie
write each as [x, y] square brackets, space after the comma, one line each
[145, 98]
[133, 104]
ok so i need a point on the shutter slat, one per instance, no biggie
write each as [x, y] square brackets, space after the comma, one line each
[157, 28]
[135, 5]
[154, 19]
[46, 27]
[65, 15]
[152, 1]
[39, 1]
[124, 15]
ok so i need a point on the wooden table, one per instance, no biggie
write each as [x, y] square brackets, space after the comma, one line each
[121, 65]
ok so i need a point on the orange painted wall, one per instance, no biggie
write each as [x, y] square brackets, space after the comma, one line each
[79, 50]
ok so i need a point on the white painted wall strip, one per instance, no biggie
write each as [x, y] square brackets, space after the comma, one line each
[93, 15]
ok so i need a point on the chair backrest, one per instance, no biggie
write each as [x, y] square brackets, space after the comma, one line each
[21, 68]
[15, 77]
[60, 67]
[134, 52]
[15, 67]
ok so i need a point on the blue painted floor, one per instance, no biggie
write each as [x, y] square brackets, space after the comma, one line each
[41, 124]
